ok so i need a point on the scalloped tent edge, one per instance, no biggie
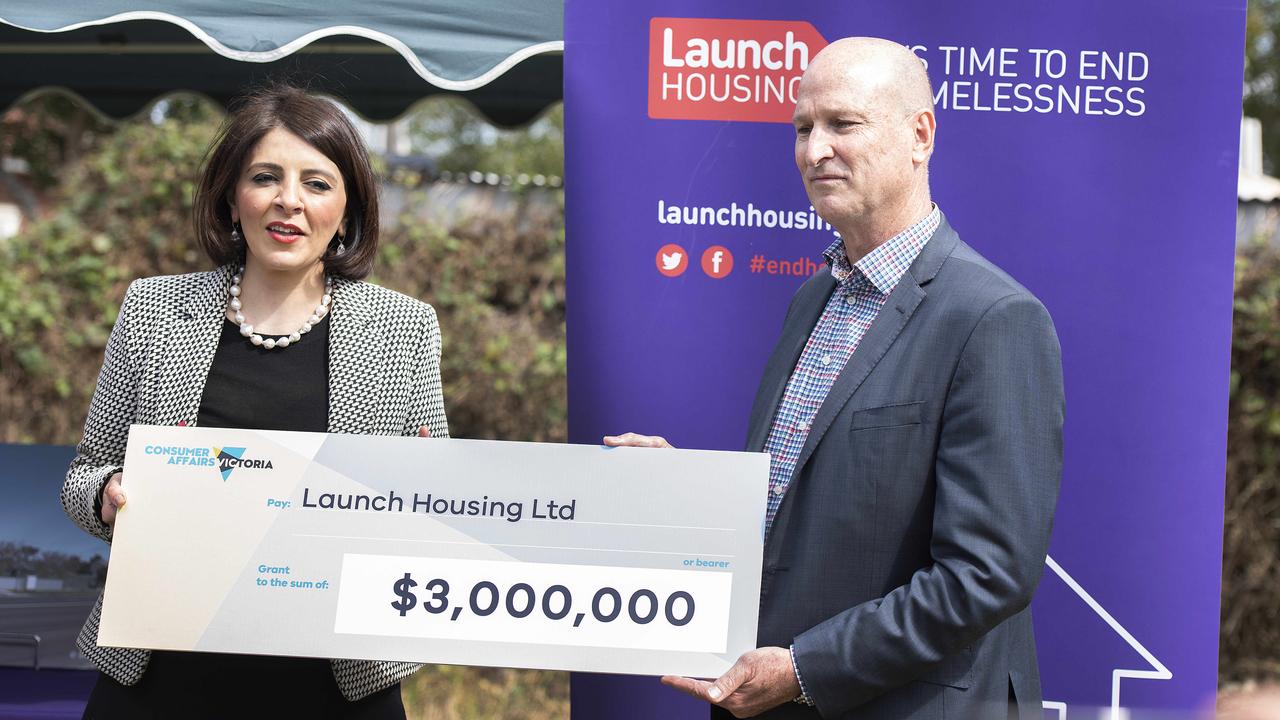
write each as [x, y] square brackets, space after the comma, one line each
[138, 58]
[289, 48]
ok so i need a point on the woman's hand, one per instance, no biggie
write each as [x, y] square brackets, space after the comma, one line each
[424, 431]
[112, 499]
[634, 440]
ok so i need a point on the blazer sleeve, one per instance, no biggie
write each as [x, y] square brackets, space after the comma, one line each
[426, 405]
[106, 429]
[998, 468]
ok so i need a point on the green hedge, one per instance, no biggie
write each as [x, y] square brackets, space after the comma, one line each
[1250, 635]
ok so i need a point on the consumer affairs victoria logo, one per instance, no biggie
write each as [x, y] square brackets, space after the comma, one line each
[714, 69]
[225, 459]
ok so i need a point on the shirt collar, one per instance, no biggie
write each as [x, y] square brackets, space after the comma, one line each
[884, 266]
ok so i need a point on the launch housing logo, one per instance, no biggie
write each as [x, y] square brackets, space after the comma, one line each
[717, 69]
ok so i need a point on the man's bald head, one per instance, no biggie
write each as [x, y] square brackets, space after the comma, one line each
[865, 126]
[892, 70]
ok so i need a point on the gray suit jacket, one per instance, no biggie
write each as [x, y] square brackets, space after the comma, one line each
[905, 553]
[384, 379]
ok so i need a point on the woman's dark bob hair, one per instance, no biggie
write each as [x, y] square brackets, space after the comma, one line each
[322, 125]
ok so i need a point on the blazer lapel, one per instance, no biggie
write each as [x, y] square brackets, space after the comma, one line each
[888, 325]
[795, 334]
[182, 357]
[355, 357]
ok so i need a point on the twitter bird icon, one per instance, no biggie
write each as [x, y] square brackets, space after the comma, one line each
[672, 260]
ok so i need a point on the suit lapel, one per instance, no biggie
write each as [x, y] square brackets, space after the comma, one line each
[897, 310]
[795, 334]
[355, 357]
[181, 359]
[888, 325]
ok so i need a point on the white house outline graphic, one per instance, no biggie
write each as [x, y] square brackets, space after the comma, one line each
[1159, 671]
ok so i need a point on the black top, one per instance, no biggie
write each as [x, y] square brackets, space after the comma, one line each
[279, 389]
[249, 387]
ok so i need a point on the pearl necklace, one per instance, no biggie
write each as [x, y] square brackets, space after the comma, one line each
[234, 305]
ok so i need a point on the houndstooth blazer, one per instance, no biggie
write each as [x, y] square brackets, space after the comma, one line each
[384, 379]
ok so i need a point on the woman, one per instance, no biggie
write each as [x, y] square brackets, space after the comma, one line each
[281, 336]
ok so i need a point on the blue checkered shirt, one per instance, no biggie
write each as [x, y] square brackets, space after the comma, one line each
[861, 289]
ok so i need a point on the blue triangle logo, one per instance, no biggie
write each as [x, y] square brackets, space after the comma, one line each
[224, 456]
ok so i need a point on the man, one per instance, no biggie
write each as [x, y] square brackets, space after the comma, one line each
[913, 412]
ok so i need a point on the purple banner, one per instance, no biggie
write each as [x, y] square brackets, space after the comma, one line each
[1088, 148]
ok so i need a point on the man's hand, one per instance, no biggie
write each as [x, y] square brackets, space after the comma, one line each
[424, 431]
[112, 499]
[633, 440]
[761, 679]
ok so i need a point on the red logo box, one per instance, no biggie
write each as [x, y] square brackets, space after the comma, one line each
[712, 69]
